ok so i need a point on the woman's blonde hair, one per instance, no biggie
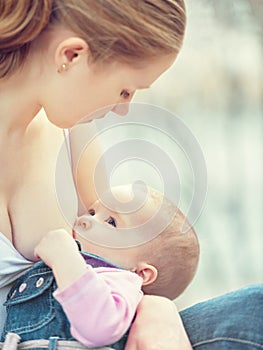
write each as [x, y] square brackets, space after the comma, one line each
[128, 31]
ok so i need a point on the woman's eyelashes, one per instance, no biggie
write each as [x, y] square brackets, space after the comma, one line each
[92, 212]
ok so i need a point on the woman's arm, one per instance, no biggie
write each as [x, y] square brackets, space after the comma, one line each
[88, 166]
[157, 326]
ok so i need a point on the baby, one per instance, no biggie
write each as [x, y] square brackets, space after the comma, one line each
[93, 296]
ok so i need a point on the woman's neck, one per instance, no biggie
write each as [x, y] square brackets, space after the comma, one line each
[18, 101]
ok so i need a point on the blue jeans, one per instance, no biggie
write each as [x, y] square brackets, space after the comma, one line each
[233, 321]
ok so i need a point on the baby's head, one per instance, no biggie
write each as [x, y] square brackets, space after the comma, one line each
[167, 262]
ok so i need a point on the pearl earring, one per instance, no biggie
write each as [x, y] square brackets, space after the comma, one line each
[62, 68]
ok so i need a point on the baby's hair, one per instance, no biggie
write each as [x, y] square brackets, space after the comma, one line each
[175, 251]
[129, 31]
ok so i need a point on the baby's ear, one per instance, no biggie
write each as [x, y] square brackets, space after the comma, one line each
[147, 272]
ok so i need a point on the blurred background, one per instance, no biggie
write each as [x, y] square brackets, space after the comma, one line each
[216, 88]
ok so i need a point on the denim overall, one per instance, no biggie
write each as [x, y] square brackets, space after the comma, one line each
[33, 312]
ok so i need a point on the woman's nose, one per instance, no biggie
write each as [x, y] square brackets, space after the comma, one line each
[84, 222]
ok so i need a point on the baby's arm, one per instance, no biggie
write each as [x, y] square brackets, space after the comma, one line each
[99, 303]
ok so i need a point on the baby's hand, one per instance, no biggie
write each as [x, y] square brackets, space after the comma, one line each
[54, 246]
[60, 252]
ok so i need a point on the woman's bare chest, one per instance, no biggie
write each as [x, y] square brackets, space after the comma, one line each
[31, 200]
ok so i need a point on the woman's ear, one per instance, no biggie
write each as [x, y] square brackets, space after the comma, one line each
[147, 272]
[70, 51]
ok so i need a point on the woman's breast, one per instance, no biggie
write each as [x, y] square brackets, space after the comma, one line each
[34, 213]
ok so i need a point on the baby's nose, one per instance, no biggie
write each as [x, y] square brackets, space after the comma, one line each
[84, 222]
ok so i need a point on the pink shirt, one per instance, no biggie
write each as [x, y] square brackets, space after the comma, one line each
[101, 304]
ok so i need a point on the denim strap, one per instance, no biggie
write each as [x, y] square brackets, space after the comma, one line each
[52, 345]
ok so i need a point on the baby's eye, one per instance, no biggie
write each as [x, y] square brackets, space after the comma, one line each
[125, 94]
[111, 221]
[92, 212]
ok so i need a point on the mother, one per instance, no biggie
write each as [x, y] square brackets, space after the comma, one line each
[72, 58]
